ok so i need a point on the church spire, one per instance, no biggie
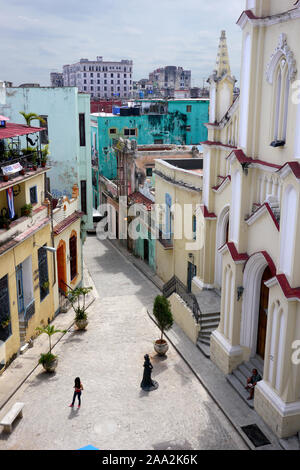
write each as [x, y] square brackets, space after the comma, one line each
[222, 64]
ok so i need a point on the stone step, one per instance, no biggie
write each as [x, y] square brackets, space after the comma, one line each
[240, 389]
[204, 341]
[205, 334]
[204, 348]
[240, 376]
[209, 326]
[245, 370]
[210, 317]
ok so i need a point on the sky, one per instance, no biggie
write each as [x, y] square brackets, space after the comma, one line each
[40, 36]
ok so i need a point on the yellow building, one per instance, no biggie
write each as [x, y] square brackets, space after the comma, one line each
[251, 192]
[31, 236]
[180, 249]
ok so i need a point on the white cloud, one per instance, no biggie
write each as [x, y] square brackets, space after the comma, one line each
[41, 36]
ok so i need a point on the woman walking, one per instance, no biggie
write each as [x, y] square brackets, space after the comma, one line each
[77, 392]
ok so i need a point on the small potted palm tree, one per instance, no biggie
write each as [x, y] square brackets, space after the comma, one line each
[163, 315]
[77, 299]
[44, 155]
[48, 360]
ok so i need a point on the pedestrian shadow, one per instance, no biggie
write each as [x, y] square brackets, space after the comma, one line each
[74, 413]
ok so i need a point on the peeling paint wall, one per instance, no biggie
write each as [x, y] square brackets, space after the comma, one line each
[70, 163]
[177, 127]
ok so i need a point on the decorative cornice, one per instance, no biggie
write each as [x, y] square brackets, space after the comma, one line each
[259, 212]
[249, 17]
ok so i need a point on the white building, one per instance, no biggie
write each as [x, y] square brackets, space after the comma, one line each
[100, 79]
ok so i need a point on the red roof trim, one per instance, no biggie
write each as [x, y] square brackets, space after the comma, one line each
[267, 206]
[236, 256]
[288, 291]
[207, 214]
[225, 178]
[294, 166]
[242, 158]
[15, 130]
[139, 198]
[219, 144]
[67, 222]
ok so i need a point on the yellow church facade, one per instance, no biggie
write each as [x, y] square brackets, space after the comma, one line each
[251, 207]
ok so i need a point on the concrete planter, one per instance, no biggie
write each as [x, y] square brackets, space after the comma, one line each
[50, 366]
[81, 324]
[161, 347]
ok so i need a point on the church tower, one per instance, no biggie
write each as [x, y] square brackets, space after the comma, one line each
[221, 83]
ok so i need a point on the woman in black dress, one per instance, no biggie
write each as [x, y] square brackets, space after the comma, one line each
[147, 383]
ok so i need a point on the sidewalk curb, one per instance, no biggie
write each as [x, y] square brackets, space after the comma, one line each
[4, 403]
[220, 406]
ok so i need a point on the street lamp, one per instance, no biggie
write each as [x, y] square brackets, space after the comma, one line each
[47, 248]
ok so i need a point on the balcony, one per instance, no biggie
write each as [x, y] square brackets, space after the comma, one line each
[166, 239]
[14, 165]
[23, 225]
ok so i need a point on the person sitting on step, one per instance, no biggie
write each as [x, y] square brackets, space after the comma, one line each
[251, 383]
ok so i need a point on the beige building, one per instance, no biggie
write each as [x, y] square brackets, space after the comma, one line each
[251, 198]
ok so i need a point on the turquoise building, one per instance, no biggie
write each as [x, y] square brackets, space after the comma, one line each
[178, 121]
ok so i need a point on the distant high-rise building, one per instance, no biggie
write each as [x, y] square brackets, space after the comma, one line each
[56, 79]
[100, 79]
[166, 80]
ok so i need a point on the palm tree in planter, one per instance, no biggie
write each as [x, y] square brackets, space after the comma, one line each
[77, 300]
[49, 361]
[163, 315]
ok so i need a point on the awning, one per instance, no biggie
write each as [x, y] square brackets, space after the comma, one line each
[15, 130]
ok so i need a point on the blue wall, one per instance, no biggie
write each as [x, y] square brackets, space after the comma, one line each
[170, 128]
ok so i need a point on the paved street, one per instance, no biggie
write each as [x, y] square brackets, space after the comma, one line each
[108, 357]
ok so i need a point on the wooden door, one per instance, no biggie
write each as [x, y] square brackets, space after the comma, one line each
[263, 314]
[61, 267]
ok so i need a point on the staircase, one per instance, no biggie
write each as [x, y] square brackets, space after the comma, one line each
[238, 378]
[205, 307]
[22, 330]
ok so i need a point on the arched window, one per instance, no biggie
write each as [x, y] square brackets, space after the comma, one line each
[281, 72]
[280, 103]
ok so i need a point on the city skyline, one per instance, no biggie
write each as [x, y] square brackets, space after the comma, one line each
[40, 38]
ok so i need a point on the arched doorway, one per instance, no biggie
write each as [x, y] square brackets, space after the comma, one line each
[61, 266]
[263, 313]
[258, 270]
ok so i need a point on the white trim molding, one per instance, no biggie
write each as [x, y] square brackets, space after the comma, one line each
[252, 279]
[231, 350]
[285, 409]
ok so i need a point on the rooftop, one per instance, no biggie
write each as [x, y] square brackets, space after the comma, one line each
[14, 130]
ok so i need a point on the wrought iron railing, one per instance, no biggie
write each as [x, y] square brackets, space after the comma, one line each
[29, 311]
[177, 287]
[25, 159]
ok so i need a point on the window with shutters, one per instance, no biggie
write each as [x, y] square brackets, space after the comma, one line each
[44, 133]
[43, 273]
[5, 325]
[73, 256]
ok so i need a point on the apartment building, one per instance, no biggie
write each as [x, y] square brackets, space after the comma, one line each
[99, 78]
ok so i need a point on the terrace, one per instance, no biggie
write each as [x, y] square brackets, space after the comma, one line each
[18, 159]
[18, 214]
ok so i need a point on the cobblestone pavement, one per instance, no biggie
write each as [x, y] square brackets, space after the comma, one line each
[108, 357]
